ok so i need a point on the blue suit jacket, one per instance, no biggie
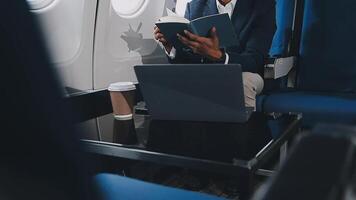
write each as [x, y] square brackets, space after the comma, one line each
[254, 22]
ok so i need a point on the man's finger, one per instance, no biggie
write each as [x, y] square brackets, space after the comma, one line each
[159, 35]
[191, 36]
[214, 34]
[188, 42]
[183, 39]
[162, 40]
[156, 30]
[155, 36]
[197, 38]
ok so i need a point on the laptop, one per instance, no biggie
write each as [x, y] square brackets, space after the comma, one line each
[193, 92]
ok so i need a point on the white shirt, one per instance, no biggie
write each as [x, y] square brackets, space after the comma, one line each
[229, 9]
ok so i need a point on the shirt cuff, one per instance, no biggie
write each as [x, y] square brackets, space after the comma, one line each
[172, 54]
[227, 58]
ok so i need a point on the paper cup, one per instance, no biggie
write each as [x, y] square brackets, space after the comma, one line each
[122, 98]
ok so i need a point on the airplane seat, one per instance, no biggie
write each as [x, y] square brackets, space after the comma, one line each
[279, 52]
[284, 22]
[39, 151]
[280, 47]
[41, 157]
[320, 166]
[115, 187]
[326, 88]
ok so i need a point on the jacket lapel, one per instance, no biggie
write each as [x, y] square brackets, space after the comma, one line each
[212, 8]
[241, 14]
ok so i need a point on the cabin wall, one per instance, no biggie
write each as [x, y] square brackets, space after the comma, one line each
[68, 30]
[124, 39]
[94, 43]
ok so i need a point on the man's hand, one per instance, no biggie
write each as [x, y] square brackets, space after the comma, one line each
[160, 37]
[205, 46]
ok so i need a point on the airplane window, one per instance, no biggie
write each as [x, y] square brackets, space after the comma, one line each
[39, 4]
[129, 8]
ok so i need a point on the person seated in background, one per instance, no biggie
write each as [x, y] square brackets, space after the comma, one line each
[254, 23]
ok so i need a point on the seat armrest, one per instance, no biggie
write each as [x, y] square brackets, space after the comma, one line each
[278, 67]
[89, 104]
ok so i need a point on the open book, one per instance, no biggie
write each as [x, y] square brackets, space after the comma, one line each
[173, 24]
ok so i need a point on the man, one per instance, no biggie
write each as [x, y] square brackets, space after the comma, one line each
[254, 22]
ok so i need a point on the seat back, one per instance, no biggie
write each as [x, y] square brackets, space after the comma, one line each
[282, 40]
[284, 21]
[320, 166]
[39, 152]
[328, 47]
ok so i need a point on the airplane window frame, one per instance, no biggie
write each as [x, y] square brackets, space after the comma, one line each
[115, 4]
[39, 4]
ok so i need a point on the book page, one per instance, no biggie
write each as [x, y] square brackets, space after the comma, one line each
[171, 13]
[208, 16]
[173, 19]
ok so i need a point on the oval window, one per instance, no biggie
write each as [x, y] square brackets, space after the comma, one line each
[129, 8]
[39, 4]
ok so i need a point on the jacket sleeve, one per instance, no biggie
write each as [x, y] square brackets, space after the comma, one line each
[258, 43]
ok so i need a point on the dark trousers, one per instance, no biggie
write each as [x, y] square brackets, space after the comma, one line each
[206, 140]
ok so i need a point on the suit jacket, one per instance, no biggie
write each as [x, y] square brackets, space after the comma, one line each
[254, 22]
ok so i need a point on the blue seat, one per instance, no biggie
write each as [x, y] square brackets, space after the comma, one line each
[280, 48]
[320, 106]
[325, 90]
[284, 22]
[112, 187]
[311, 102]
[316, 167]
[282, 39]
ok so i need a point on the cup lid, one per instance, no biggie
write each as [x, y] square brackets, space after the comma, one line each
[122, 86]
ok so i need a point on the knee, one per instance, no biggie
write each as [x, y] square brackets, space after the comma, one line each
[253, 83]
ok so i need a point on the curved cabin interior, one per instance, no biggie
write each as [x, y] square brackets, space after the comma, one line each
[144, 99]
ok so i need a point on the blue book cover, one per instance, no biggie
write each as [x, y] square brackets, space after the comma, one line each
[171, 25]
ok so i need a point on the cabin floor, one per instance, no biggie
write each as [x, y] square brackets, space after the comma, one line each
[203, 182]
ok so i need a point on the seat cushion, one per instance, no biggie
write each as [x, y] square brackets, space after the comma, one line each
[320, 107]
[113, 187]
